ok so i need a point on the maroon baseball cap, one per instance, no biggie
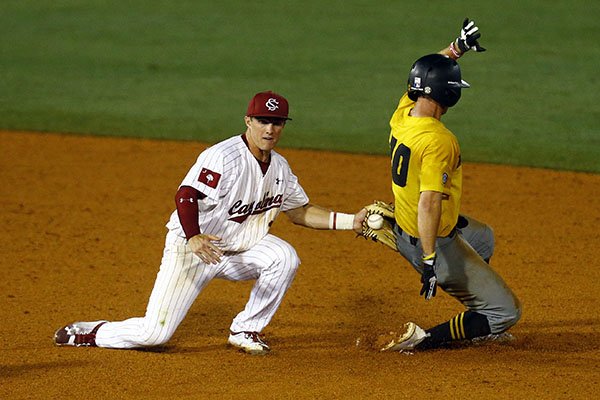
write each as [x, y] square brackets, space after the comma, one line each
[268, 104]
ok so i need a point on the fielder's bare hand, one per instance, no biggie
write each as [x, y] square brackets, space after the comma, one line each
[204, 247]
[359, 217]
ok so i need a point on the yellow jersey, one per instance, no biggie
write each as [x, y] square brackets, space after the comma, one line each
[425, 156]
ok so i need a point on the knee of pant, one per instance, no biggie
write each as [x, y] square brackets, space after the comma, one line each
[155, 337]
[293, 261]
[511, 318]
[516, 316]
[288, 260]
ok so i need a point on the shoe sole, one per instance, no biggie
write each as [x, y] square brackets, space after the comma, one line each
[262, 352]
[392, 346]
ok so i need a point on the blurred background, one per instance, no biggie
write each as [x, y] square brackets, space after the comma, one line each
[187, 69]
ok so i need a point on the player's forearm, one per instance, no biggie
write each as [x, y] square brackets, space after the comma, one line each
[428, 217]
[311, 216]
[317, 217]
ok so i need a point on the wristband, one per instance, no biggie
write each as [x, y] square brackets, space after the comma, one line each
[341, 221]
[429, 257]
[456, 53]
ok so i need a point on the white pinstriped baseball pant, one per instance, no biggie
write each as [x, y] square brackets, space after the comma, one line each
[182, 276]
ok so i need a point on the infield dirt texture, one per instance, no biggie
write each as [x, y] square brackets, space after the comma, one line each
[83, 229]
[83, 217]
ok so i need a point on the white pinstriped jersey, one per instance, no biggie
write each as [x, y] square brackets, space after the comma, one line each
[241, 203]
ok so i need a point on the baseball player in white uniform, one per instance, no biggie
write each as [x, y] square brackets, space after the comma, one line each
[220, 229]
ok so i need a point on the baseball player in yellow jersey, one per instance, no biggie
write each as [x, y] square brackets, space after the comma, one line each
[448, 250]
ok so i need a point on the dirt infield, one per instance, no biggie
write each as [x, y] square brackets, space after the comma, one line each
[83, 229]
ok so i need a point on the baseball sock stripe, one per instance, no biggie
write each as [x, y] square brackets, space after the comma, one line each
[452, 329]
[457, 329]
[461, 325]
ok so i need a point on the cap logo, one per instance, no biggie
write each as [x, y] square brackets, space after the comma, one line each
[272, 104]
[417, 82]
[427, 90]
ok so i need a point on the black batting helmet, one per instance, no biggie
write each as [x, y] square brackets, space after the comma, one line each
[438, 77]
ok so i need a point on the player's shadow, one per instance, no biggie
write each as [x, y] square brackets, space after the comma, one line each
[8, 371]
[183, 347]
[564, 336]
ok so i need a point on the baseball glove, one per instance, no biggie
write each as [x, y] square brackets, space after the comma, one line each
[385, 234]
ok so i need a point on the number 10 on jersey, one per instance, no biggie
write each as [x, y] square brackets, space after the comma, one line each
[400, 157]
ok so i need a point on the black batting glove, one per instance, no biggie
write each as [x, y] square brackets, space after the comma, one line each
[468, 39]
[428, 278]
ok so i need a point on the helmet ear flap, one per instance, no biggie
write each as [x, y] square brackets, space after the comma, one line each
[413, 94]
[450, 97]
